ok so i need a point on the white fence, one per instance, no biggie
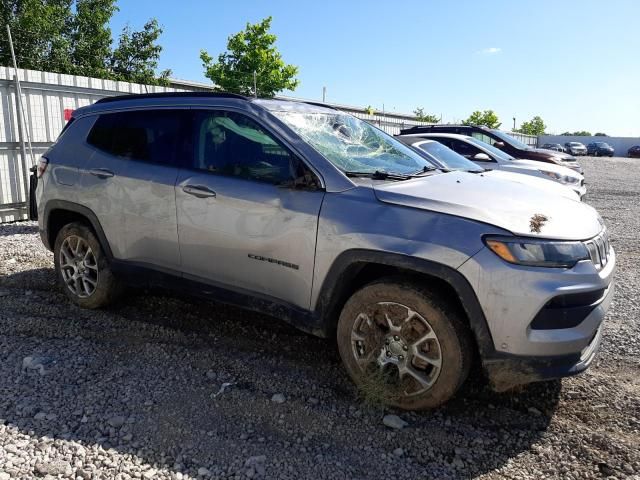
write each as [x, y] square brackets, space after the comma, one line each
[45, 97]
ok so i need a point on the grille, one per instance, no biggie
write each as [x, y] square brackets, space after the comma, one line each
[599, 249]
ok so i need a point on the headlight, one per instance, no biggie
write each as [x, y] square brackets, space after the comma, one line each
[565, 179]
[537, 253]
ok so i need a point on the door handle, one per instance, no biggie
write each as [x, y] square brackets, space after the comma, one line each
[101, 173]
[199, 191]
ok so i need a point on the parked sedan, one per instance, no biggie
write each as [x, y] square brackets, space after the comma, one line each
[634, 152]
[491, 158]
[553, 146]
[600, 149]
[575, 148]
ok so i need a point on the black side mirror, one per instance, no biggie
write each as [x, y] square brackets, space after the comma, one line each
[499, 145]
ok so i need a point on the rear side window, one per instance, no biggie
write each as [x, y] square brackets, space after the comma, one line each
[145, 135]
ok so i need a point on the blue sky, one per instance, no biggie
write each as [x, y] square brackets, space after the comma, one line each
[574, 63]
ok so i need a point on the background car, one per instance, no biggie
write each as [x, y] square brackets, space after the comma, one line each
[600, 149]
[453, 149]
[553, 146]
[634, 152]
[501, 140]
[575, 148]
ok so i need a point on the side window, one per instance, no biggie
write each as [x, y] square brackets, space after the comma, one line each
[465, 149]
[229, 143]
[146, 135]
[483, 138]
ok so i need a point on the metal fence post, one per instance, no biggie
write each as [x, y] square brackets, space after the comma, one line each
[23, 146]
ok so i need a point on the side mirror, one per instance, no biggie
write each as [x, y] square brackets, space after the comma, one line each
[499, 145]
[482, 157]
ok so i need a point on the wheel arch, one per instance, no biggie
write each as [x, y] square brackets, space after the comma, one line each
[355, 268]
[58, 213]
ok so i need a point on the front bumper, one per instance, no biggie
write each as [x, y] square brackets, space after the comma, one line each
[513, 296]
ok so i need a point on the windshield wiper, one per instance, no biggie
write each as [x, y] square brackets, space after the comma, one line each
[423, 170]
[378, 175]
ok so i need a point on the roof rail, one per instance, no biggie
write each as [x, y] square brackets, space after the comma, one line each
[320, 104]
[117, 98]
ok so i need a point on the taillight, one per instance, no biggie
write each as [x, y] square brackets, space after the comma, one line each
[42, 166]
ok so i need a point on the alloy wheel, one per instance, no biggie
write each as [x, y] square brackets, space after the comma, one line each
[399, 343]
[78, 266]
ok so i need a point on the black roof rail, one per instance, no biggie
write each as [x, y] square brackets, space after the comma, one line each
[117, 98]
[319, 104]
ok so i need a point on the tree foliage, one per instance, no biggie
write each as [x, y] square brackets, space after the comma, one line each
[370, 110]
[136, 57]
[579, 133]
[600, 134]
[73, 37]
[487, 118]
[251, 50]
[535, 126]
[425, 117]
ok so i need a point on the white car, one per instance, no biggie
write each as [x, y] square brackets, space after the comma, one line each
[490, 158]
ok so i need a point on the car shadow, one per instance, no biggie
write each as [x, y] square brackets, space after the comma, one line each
[16, 228]
[146, 378]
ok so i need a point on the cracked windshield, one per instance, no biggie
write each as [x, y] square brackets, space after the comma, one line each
[353, 145]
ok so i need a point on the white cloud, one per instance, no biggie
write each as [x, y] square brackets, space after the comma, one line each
[490, 50]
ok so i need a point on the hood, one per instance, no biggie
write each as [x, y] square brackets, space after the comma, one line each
[550, 186]
[511, 205]
[549, 167]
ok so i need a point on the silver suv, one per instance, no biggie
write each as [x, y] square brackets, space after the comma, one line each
[316, 217]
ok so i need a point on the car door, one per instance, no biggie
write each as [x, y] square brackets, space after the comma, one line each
[242, 222]
[130, 184]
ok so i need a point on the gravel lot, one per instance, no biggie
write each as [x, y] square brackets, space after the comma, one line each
[142, 390]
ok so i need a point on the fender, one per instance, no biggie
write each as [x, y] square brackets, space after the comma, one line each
[53, 205]
[348, 264]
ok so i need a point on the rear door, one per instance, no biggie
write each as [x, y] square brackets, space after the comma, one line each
[130, 183]
[241, 221]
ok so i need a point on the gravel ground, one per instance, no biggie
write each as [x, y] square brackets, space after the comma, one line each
[169, 387]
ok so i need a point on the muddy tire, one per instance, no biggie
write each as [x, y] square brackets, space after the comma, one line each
[83, 269]
[404, 344]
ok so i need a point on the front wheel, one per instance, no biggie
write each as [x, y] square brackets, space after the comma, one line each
[403, 345]
[82, 267]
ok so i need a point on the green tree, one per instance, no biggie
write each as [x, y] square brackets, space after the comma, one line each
[600, 134]
[40, 30]
[487, 118]
[73, 37]
[579, 133]
[91, 37]
[251, 50]
[135, 59]
[370, 110]
[425, 117]
[535, 126]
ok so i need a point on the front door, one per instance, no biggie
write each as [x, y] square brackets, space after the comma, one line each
[241, 222]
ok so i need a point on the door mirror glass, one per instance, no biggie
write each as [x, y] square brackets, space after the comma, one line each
[482, 157]
[499, 145]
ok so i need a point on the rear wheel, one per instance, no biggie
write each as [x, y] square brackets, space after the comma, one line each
[82, 267]
[403, 344]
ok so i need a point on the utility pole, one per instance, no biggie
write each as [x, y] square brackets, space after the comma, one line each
[22, 126]
[324, 94]
[514, 124]
[255, 84]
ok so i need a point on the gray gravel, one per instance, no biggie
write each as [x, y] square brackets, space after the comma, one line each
[170, 387]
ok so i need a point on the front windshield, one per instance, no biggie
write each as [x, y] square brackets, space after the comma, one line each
[496, 152]
[353, 145]
[510, 140]
[446, 156]
[575, 144]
